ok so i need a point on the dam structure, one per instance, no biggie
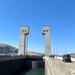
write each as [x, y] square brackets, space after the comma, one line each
[24, 30]
[53, 66]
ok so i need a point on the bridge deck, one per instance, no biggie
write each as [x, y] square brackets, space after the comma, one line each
[60, 68]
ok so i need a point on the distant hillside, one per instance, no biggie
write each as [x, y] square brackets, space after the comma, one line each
[8, 49]
[5, 48]
[72, 55]
[34, 53]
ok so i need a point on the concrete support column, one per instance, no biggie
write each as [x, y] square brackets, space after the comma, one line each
[46, 32]
[47, 44]
[24, 30]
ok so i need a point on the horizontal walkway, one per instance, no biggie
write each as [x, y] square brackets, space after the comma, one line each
[57, 67]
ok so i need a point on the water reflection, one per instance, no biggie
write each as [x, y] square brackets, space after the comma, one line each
[34, 71]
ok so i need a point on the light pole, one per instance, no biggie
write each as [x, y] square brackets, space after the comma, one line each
[56, 49]
[65, 42]
[4, 49]
[54, 52]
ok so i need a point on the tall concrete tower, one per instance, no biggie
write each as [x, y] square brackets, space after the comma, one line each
[46, 32]
[24, 30]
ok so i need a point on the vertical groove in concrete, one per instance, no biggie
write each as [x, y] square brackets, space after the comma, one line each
[46, 32]
[24, 30]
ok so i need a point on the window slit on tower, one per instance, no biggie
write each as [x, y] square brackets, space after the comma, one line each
[22, 30]
[43, 30]
[46, 30]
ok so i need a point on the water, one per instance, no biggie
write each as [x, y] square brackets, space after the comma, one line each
[34, 71]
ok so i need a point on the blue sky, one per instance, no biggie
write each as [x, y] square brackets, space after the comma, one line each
[59, 14]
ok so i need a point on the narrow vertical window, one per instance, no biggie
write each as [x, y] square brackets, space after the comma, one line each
[46, 30]
[22, 30]
[43, 30]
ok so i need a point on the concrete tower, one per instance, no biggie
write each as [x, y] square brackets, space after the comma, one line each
[46, 32]
[24, 30]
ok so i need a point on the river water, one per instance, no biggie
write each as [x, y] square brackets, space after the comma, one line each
[33, 71]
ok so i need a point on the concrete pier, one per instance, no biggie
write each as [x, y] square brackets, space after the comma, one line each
[46, 32]
[24, 30]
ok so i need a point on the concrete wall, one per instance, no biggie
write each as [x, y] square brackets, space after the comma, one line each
[7, 67]
[48, 68]
[34, 61]
[14, 64]
[31, 64]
